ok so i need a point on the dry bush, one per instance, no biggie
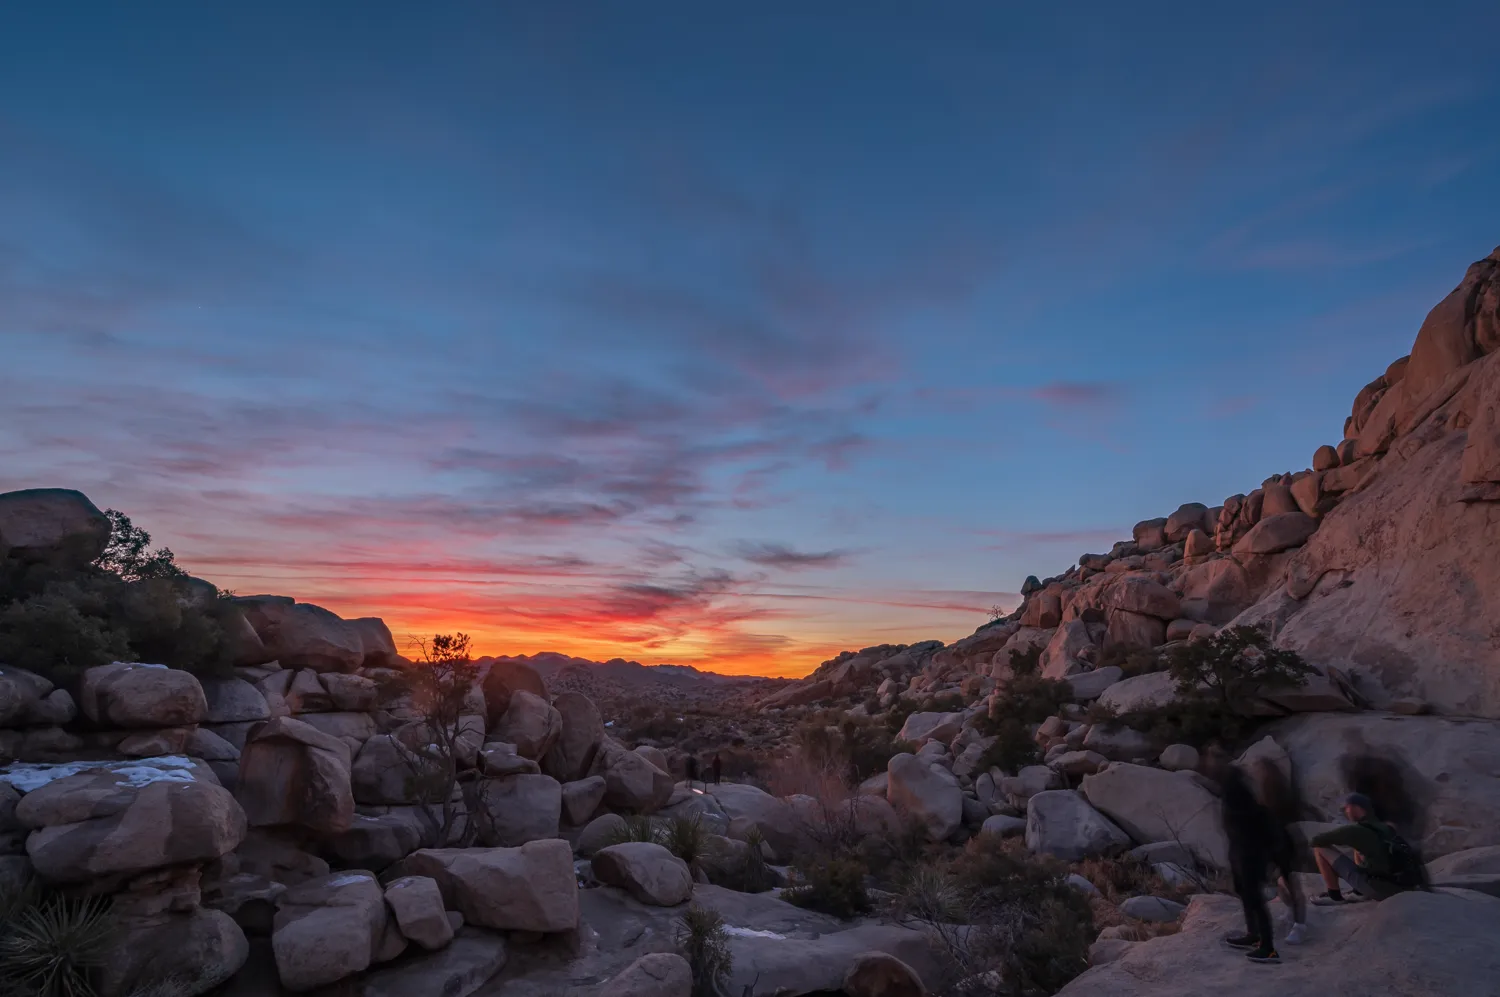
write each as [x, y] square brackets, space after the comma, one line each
[1118, 878]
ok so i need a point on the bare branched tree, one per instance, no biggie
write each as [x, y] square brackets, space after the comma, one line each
[434, 745]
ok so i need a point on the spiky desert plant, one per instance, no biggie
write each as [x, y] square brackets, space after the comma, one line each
[51, 946]
[755, 875]
[685, 839]
[705, 945]
[636, 829]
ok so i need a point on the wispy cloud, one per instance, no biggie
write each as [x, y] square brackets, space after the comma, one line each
[775, 555]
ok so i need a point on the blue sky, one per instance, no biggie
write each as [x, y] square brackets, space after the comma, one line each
[731, 338]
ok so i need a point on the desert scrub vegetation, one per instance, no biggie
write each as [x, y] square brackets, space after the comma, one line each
[1218, 683]
[1026, 700]
[831, 885]
[133, 603]
[857, 746]
[52, 945]
[705, 945]
[1007, 923]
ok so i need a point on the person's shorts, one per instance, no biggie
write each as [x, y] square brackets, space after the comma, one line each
[1350, 872]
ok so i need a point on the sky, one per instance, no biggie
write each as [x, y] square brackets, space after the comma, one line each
[723, 335]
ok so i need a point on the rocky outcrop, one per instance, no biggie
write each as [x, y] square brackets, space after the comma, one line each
[127, 694]
[1061, 823]
[647, 871]
[530, 888]
[291, 773]
[631, 782]
[327, 929]
[572, 753]
[53, 525]
[518, 809]
[124, 818]
[417, 905]
[1152, 804]
[301, 635]
[929, 793]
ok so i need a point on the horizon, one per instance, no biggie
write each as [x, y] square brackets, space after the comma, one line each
[712, 338]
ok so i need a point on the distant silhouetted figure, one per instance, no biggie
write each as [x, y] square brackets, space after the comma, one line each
[718, 766]
[692, 770]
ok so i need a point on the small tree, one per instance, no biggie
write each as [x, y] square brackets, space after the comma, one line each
[128, 555]
[705, 945]
[1234, 666]
[439, 688]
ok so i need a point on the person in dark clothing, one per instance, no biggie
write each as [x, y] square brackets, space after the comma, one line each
[1383, 864]
[692, 770]
[718, 767]
[1248, 824]
[1275, 794]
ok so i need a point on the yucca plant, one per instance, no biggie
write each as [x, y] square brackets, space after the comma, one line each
[755, 875]
[51, 946]
[636, 829]
[705, 945]
[685, 839]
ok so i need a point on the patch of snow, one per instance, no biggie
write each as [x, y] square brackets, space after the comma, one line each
[349, 879]
[28, 777]
[735, 932]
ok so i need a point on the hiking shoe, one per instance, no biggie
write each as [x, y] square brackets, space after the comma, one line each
[1242, 941]
[1330, 900]
[1263, 954]
[1297, 935]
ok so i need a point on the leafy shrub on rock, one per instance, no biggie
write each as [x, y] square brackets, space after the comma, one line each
[833, 886]
[132, 603]
[1219, 682]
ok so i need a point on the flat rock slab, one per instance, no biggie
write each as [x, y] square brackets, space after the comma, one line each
[471, 961]
[1412, 944]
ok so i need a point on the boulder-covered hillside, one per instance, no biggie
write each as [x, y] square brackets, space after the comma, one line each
[208, 793]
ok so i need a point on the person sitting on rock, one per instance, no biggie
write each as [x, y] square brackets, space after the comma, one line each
[1383, 863]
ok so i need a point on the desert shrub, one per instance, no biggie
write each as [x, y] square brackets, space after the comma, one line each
[754, 875]
[860, 747]
[1132, 661]
[1014, 747]
[895, 717]
[132, 604]
[831, 885]
[685, 838]
[1008, 922]
[705, 945]
[946, 702]
[1030, 699]
[1120, 877]
[636, 829]
[50, 945]
[1218, 683]
[1027, 661]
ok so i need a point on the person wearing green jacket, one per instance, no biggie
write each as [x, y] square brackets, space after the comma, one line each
[1370, 872]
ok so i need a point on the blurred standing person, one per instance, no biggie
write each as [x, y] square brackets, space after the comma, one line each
[1276, 795]
[692, 770]
[718, 767]
[1247, 824]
